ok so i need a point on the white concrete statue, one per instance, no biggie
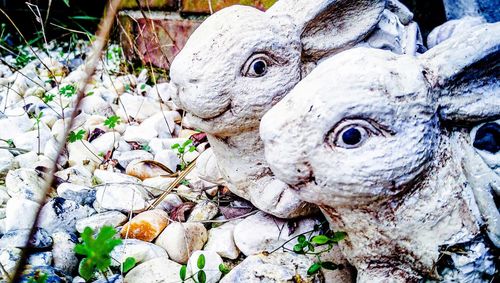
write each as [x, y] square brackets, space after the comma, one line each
[241, 61]
[383, 144]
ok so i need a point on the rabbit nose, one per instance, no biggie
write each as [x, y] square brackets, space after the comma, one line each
[174, 94]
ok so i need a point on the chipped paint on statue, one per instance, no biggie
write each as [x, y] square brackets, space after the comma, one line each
[383, 144]
[241, 61]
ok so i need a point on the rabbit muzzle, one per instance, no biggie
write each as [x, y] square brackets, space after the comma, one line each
[199, 102]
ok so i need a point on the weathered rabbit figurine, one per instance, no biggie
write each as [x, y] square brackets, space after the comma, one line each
[241, 61]
[381, 143]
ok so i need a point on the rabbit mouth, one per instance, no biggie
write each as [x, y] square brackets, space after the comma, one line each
[192, 116]
[195, 121]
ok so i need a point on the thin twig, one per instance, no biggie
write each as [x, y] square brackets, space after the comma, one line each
[90, 66]
[172, 185]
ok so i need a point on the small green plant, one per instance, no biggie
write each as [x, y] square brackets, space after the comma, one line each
[306, 245]
[23, 58]
[128, 264]
[224, 269]
[38, 120]
[9, 142]
[97, 252]
[112, 121]
[38, 277]
[185, 182]
[46, 98]
[146, 147]
[200, 276]
[187, 146]
[78, 136]
[67, 90]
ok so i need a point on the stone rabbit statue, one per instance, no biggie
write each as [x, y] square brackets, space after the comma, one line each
[382, 143]
[241, 61]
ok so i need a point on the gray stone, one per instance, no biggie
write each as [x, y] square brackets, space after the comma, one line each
[141, 251]
[180, 240]
[19, 239]
[61, 215]
[7, 161]
[20, 213]
[78, 175]
[40, 259]
[8, 259]
[25, 183]
[124, 158]
[221, 241]
[109, 177]
[82, 195]
[276, 267]
[97, 221]
[204, 210]
[124, 198]
[158, 270]
[456, 9]
[263, 232]
[63, 252]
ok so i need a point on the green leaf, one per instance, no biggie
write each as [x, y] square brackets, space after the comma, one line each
[201, 261]
[311, 247]
[38, 277]
[146, 147]
[83, 17]
[10, 142]
[329, 265]
[298, 248]
[80, 249]
[46, 98]
[112, 121]
[66, 2]
[192, 148]
[338, 236]
[314, 268]
[202, 277]
[174, 146]
[86, 269]
[67, 90]
[182, 272]
[223, 269]
[320, 239]
[301, 238]
[128, 264]
[187, 142]
[73, 137]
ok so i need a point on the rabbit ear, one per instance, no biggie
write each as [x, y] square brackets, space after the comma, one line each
[464, 71]
[330, 25]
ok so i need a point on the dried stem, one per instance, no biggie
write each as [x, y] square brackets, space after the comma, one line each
[90, 66]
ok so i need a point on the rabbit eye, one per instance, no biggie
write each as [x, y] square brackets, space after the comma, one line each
[259, 67]
[256, 66]
[351, 133]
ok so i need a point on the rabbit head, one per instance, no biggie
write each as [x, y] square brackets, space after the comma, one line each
[381, 143]
[241, 61]
[366, 124]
